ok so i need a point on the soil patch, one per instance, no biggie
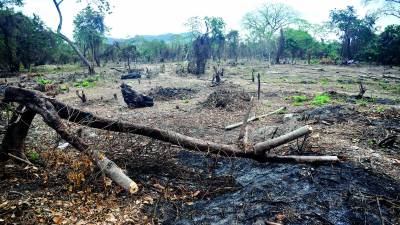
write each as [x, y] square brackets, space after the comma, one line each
[168, 93]
[228, 98]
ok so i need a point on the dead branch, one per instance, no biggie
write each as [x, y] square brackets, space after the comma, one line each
[118, 70]
[40, 105]
[262, 147]
[20, 159]
[362, 91]
[246, 119]
[244, 131]
[254, 118]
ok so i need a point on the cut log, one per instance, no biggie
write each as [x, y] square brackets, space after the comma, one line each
[133, 75]
[135, 99]
[254, 118]
[265, 146]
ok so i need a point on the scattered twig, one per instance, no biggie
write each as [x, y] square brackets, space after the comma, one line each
[20, 159]
[254, 118]
[380, 211]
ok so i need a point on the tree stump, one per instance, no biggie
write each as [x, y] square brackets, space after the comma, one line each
[135, 99]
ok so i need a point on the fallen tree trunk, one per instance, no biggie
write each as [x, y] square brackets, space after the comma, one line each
[254, 118]
[262, 147]
[38, 104]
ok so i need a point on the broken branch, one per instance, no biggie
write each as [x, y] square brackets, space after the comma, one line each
[265, 146]
[254, 118]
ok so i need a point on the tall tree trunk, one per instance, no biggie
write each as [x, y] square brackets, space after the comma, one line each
[65, 38]
[281, 47]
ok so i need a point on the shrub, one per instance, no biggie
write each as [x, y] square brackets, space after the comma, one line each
[32, 155]
[299, 98]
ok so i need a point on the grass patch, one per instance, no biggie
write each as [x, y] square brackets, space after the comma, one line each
[380, 109]
[56, 68]
[299, 100]
[394, 88]
[88, 82]
[362, 102]
[321, 99]
[43, 81]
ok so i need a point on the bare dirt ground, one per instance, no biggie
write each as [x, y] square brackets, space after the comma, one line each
[175, 185]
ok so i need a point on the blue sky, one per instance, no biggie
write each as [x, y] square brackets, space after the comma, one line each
[132, 17]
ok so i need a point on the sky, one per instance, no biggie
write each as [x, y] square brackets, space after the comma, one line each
[151, 17]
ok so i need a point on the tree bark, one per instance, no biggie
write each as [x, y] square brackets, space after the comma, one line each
[281, 47]
[14, 138]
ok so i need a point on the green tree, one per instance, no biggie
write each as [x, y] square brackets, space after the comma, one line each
[24, 40]
[216, 27]
[9, 3]
[389, 45]
[356, 34]
[101, 5]
[129, 53]
[89, 31]
[232, 39]
[299, 43]
[263, 23]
